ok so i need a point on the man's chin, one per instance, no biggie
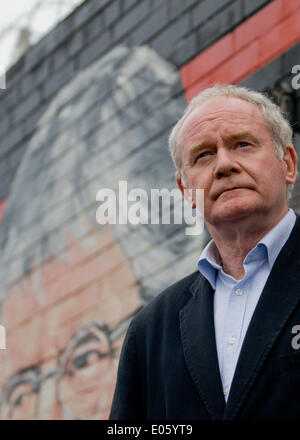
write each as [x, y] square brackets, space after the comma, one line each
[233, 214]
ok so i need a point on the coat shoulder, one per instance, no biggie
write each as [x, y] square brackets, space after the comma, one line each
[169, 302]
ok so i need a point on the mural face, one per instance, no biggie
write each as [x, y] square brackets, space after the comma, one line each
[69, 286]
[71, 350]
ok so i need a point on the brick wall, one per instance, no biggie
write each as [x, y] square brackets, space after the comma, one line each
[87, 107]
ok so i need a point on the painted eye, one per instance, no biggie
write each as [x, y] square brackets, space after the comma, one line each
[82, 360]
[18, 401]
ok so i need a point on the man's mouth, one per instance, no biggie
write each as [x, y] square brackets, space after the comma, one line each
[229, 189]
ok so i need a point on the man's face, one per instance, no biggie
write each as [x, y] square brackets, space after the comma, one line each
[227, 150]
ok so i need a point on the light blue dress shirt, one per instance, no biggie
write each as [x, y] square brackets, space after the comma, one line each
[235, 300]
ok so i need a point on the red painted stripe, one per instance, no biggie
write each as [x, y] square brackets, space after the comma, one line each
[252, 45]
[2, 208]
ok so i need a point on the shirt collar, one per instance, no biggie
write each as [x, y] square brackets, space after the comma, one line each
[268, 247]
[277, 237]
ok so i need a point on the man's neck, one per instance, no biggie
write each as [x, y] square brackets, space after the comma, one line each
[234, 243]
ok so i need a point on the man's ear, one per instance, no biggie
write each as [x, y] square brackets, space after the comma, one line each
[187, 193]
[290, 159]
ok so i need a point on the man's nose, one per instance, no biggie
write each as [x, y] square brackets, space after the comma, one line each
[225, 164]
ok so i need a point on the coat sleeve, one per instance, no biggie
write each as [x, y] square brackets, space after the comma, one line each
[128, 400]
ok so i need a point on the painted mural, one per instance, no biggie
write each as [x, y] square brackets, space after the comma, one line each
[69, 286]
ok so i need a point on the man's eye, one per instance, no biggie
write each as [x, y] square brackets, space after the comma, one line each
[244, 144]
[202, 154]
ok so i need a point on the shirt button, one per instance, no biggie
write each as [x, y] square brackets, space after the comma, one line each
[232, 341]
[225, 391]
[239, 292]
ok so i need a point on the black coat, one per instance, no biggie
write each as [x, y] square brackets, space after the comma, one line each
[169, 368]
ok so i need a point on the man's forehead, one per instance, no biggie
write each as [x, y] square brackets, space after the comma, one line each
[222, 107]
[217, 106]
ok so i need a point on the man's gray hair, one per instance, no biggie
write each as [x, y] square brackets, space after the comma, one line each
[280, 130]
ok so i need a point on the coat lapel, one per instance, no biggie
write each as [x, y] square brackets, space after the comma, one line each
[279, 298]
[199, 346]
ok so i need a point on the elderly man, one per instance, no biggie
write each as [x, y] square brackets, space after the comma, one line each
[222, 342]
